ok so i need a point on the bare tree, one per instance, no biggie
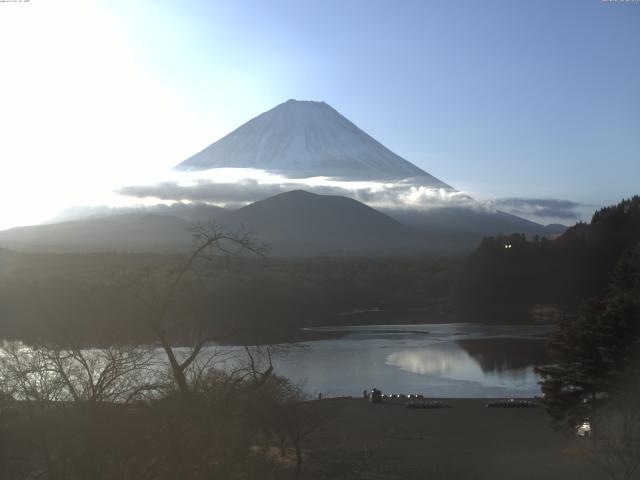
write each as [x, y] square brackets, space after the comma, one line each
[26, 374]
[114, 373]
[62, 406]
[157, 290]
[290, 418]
[303, 422]
[47, 374]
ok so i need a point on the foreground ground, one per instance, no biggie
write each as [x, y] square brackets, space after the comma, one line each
[467, 441]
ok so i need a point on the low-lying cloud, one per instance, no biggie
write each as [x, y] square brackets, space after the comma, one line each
[541, 207]
[229, 194]
[237, 194]
[400, 195]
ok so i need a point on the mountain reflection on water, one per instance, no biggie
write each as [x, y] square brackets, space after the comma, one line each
[492, 361]
[444, 360]
[439, 359]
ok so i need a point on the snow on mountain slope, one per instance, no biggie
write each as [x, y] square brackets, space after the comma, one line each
[301, 139]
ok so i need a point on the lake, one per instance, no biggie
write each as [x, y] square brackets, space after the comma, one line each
[437, 360]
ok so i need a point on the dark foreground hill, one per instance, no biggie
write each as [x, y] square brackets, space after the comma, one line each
[302, 223]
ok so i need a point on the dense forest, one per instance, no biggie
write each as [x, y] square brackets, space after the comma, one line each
[89, 296]
[515, 279]
[508, 279]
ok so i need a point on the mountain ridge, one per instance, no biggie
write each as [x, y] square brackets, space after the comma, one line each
[302, 223]
[127, 232]
[295, 223]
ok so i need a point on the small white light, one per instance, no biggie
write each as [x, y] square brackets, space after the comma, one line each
[584, 430]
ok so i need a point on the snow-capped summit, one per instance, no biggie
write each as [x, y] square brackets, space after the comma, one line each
[300, 139]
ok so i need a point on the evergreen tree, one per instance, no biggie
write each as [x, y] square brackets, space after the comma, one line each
[595, 351]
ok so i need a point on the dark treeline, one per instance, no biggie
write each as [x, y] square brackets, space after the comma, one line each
[506, 354]
[512, 278]
[588, 282]
[87, 297]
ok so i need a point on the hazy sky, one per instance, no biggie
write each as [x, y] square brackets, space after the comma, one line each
[528, 99]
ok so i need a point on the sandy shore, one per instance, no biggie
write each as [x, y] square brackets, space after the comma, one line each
[467, 441]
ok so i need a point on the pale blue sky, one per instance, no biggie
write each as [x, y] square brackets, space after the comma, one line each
[497, 98]
[503, 98]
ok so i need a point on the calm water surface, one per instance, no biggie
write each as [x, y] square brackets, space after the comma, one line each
[442, 360]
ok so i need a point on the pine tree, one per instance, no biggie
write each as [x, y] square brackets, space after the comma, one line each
[595, 351]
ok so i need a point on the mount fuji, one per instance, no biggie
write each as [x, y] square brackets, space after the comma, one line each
[302, 139]
[296, 139]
